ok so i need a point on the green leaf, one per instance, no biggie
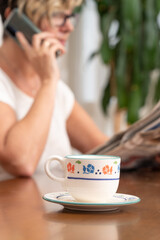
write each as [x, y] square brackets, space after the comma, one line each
[79, 162]
[131, 11]
[106, 52]
[157, 3]
[121, 77]
[134, 104]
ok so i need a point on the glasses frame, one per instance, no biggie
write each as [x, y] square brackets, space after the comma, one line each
[66, 17]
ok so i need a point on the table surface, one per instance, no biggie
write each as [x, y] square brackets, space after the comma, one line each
[25, 215]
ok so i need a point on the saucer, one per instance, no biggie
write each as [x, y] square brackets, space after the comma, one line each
[68, 202]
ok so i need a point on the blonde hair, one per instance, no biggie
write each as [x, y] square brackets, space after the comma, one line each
[36, 9]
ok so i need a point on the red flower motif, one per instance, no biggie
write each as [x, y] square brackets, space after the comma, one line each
[70, 168]
[107, 170]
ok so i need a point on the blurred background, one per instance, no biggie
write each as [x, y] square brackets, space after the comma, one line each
[113, 61]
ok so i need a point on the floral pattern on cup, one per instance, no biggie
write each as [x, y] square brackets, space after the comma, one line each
[70, 167]
[89, 169]
[107, 170]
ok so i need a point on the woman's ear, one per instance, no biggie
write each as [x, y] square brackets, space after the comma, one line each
[7, 12]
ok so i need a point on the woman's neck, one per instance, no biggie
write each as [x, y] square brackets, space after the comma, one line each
[14, 56]
[16, 65]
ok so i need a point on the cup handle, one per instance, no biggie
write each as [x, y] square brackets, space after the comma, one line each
[61, 160]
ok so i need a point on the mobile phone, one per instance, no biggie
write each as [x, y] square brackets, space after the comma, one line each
[18, 21]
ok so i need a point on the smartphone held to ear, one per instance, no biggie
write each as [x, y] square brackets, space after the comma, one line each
[19, 22]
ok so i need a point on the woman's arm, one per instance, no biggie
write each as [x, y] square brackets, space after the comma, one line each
[22, 142]
[83, 133]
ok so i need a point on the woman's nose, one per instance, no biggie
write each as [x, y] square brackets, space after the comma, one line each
[68, 25]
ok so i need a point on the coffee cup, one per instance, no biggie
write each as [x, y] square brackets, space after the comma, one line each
[88, 178]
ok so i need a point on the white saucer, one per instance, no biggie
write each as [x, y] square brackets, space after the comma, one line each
[65, 199]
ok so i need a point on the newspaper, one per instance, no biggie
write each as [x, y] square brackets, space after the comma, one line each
[136, 145]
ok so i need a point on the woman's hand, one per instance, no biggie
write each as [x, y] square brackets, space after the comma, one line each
[42, 54]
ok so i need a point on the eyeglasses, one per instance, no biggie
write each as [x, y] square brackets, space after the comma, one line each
[59, 19]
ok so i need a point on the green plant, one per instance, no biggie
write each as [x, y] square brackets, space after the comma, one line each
[131, 46]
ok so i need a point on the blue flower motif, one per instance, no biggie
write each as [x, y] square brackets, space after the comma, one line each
[90, 168]
[118, 167]
[84, 169]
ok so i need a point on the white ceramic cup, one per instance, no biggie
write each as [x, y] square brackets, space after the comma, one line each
[88, 178]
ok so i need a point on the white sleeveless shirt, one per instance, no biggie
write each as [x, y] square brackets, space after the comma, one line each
[58, 142]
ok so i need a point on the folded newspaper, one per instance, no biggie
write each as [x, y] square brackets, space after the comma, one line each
[136, 145]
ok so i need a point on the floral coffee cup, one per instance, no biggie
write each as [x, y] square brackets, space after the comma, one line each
[88, 178]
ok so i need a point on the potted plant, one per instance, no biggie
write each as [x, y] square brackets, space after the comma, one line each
[131, 47]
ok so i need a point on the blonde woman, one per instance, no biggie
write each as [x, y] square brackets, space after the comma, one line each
[39, 115]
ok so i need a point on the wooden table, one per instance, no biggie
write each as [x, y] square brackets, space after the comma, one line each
[25, 215]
